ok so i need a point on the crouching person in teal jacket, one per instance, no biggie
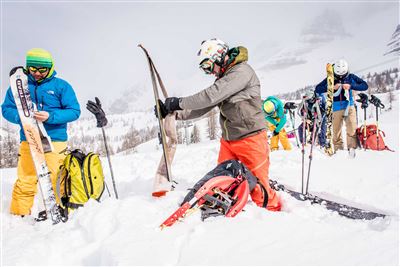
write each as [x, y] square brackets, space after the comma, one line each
[56, 105]
[276, 117]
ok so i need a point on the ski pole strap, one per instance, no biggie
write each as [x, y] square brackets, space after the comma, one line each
[317, 110]
[301, 107]
[337, 93]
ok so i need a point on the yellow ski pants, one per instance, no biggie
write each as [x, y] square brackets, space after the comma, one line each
[25, 186]
[282, 136]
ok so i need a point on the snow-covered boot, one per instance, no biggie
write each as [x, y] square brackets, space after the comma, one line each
[42, 216]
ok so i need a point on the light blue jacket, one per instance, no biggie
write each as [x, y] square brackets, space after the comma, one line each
[53, 95]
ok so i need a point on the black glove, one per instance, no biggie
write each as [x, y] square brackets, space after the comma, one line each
[163, 109]
[172, 104]
[96, 109]
[290, 105]
[376, 102]
[275, 133]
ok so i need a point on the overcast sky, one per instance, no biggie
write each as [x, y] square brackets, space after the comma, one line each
[95, 43]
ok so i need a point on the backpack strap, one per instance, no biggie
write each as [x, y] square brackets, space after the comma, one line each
[265, 193]
[58, 182]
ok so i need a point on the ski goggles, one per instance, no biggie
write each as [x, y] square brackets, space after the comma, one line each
[207, 66]
[39, 69]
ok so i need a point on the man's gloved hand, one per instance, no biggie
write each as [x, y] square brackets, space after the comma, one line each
[163, 109]
[172, 104]
[275, 133]
[96, 109]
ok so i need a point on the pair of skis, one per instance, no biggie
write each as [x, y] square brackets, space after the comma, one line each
[163, 180]
[205, 196]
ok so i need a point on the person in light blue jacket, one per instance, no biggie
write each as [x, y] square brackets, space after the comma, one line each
[56, 105]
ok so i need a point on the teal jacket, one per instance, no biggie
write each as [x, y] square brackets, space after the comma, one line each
[279, 114]
[53, 95]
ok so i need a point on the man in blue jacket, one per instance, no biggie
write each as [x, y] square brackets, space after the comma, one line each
[57, 105]
[343, 104]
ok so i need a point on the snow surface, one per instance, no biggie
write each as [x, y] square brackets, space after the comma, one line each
[125, 231]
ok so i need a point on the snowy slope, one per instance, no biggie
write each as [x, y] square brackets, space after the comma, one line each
[125, 231]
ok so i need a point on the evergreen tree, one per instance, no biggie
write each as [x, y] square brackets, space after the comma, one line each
[212, 126]
[195, 135]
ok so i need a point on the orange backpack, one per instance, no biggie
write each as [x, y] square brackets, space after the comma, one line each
[372, 141]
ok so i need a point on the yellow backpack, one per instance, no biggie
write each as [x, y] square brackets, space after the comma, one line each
[80, 178]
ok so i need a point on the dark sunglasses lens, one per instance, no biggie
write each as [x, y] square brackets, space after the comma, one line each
[42, 70]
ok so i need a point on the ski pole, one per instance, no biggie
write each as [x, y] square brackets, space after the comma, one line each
[109, 162]
[365, 129]
[377, 127]
[355, 106]
[378, 104]
[303, 108]
[363, 99]
[292, 119]
[311, 150]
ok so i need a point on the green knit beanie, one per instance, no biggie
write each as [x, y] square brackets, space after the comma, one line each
[38, 57]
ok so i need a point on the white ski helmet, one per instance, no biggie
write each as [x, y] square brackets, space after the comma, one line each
[341, 68]
[212, 51]
[309, 92]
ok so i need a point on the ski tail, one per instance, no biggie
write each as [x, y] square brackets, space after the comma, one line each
[342, 209]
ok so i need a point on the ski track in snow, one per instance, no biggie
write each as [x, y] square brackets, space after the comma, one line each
[125, 231]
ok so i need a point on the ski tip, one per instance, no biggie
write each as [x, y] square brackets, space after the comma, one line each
[14, 70]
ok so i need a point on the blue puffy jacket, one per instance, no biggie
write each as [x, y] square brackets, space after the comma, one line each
[341, 102]
[53, 95]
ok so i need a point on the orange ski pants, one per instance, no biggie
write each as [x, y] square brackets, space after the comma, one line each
[253, 151]
[25, 186]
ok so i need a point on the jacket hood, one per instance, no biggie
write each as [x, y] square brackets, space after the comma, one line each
[237, 55]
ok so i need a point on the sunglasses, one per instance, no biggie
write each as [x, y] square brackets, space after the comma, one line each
[40, 69]
[207, 66]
